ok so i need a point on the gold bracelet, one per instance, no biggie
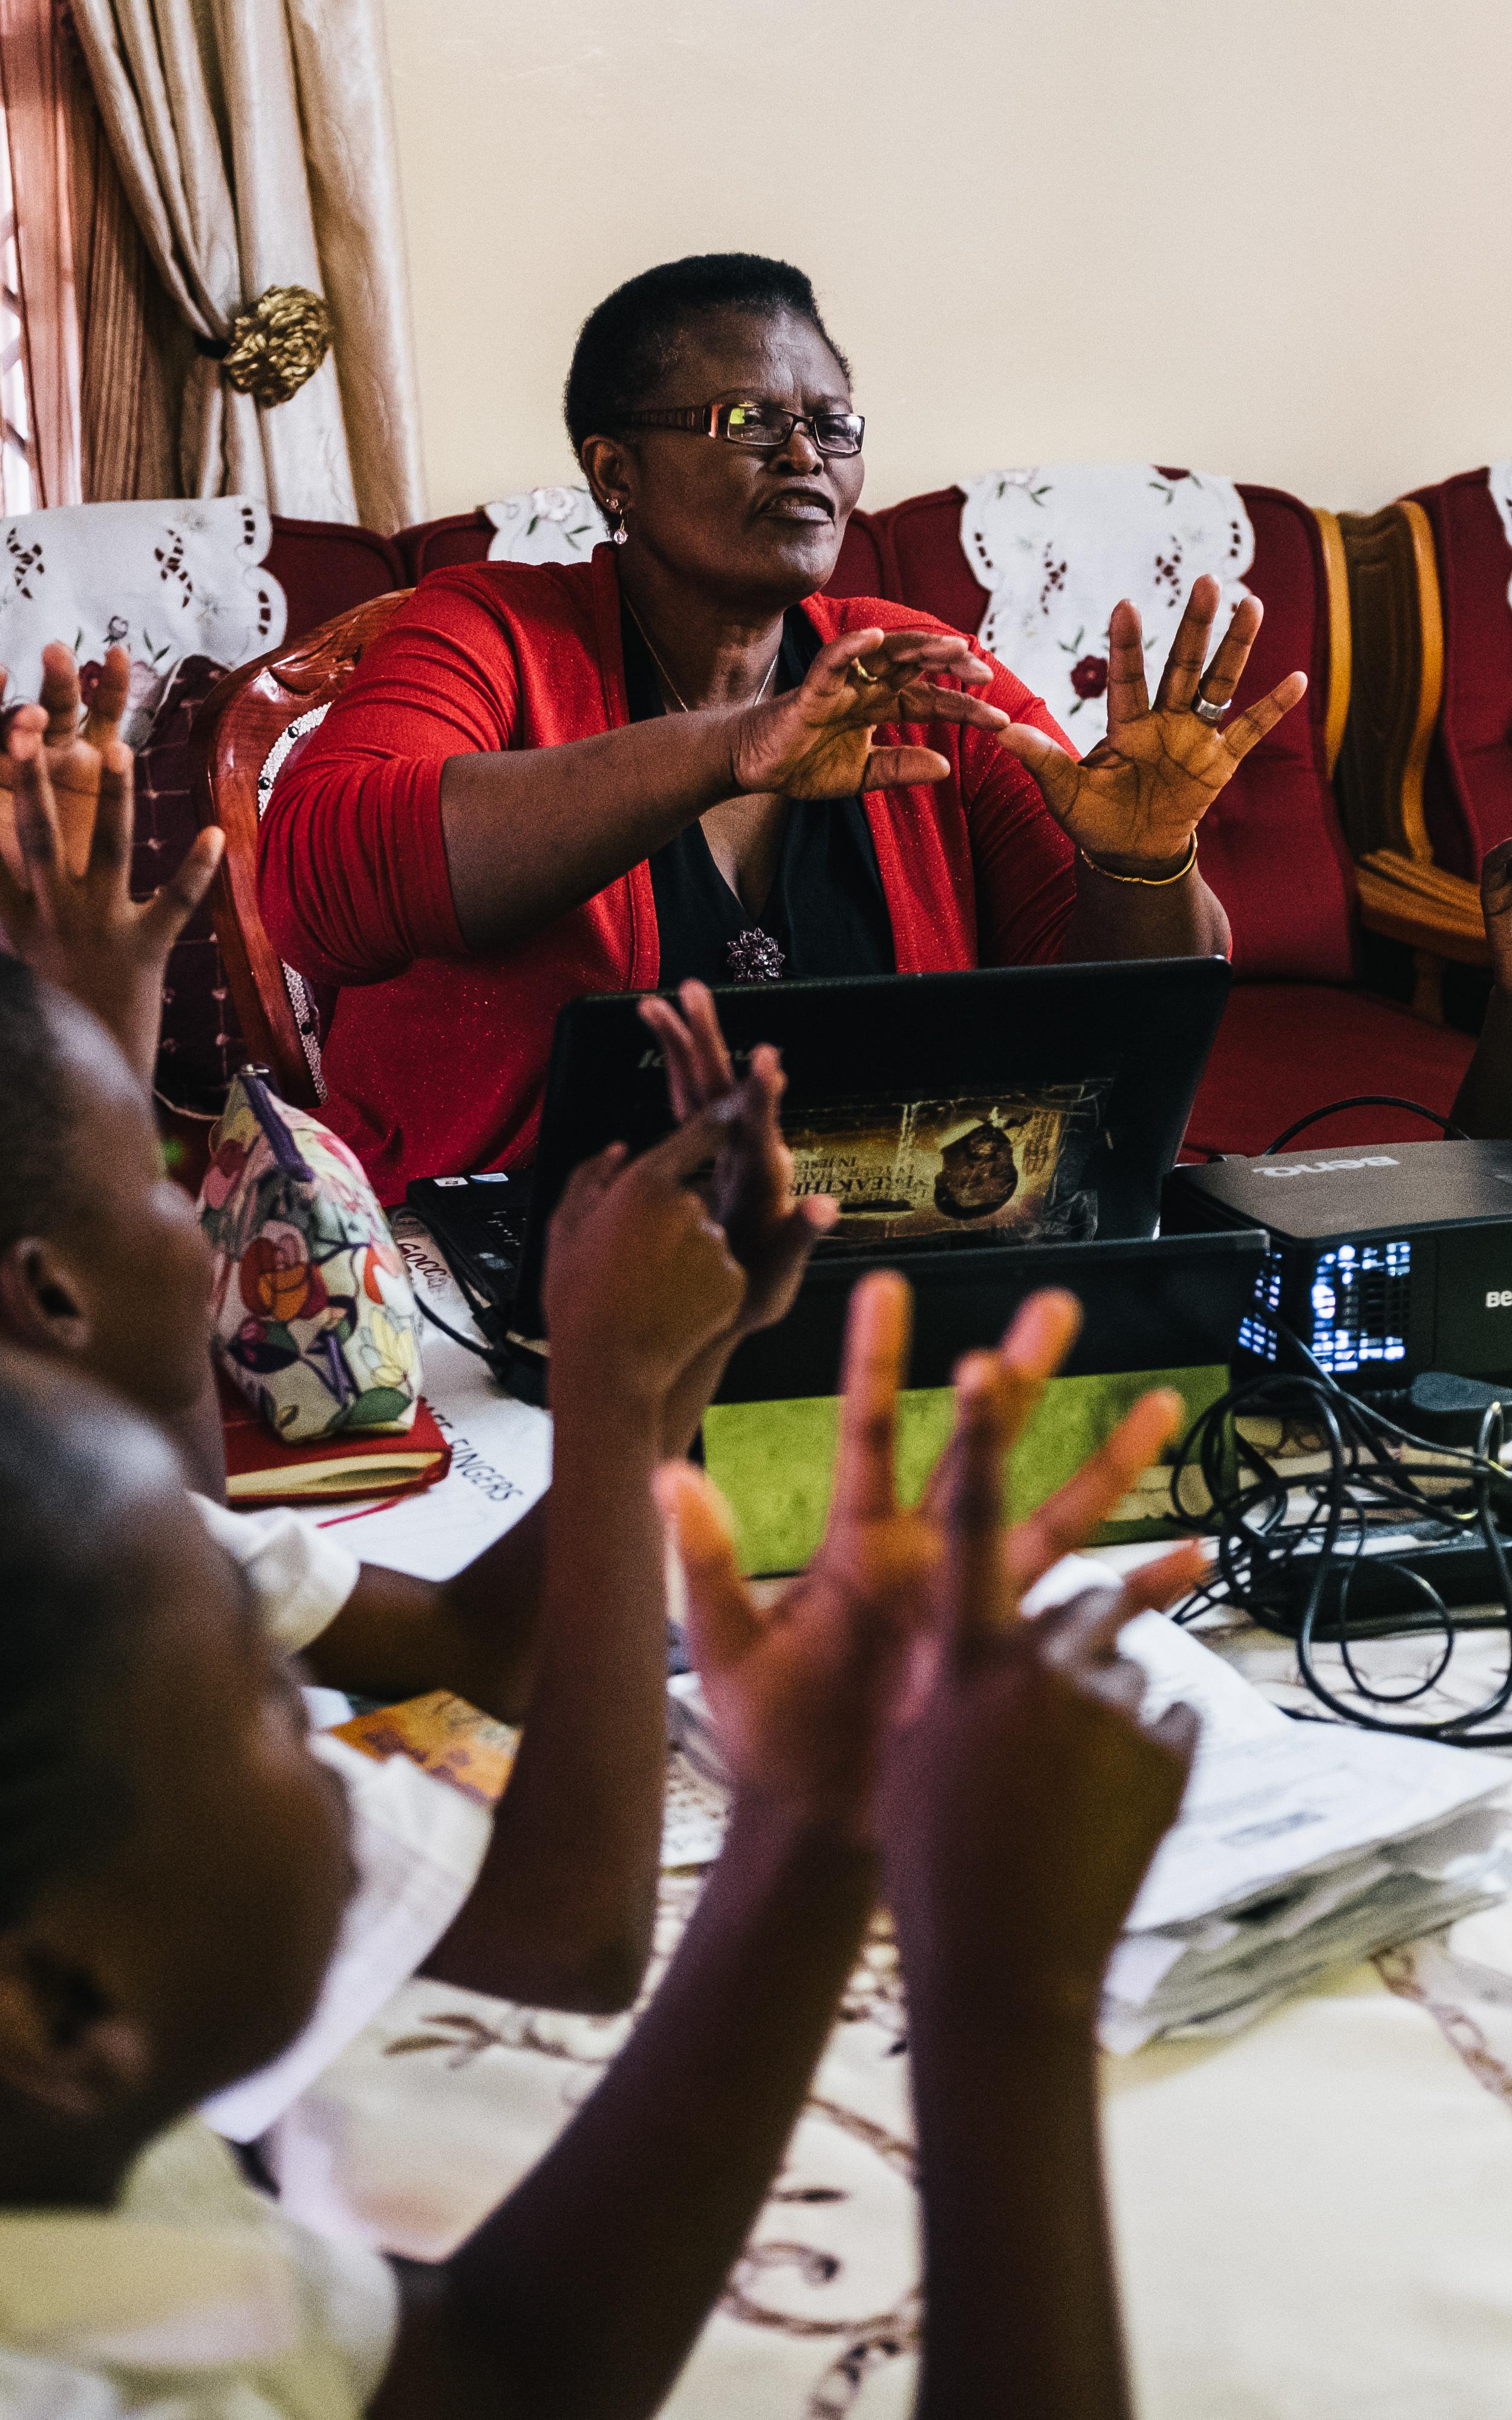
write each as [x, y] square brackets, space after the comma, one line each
[1146, 881]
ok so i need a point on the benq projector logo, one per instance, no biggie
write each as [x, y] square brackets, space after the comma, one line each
[1323, 1167]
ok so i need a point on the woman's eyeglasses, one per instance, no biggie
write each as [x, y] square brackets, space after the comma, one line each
[763, 427]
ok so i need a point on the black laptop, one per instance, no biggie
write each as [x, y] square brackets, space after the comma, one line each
[952, 1114]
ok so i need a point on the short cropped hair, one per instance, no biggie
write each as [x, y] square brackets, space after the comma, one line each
[627, 345]
[37, 1117]
[64, 1797]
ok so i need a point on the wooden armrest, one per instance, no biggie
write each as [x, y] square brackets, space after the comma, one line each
[1422, 906]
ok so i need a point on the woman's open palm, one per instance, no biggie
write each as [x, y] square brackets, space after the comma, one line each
[1137, 799]
[815, 740]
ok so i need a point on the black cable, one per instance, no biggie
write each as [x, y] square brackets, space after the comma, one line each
[455, 1333]
[1258, 1549]
[1366, 1101]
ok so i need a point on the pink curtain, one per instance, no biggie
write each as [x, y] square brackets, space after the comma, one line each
[35, 83]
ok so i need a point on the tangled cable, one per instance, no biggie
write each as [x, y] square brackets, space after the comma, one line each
[1258, 1549]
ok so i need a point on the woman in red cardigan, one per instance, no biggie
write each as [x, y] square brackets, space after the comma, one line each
[682, 759]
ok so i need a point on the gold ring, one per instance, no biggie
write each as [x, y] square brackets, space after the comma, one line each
[868, 680]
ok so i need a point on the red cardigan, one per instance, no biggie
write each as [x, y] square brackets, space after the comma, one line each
[435, 1060]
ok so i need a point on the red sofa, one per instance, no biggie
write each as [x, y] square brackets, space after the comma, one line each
[326, 568]
[1298, 1031]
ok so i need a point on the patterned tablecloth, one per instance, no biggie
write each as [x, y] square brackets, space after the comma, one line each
[1314, 2216]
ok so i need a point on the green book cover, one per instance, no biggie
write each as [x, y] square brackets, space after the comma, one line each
[772, 1461]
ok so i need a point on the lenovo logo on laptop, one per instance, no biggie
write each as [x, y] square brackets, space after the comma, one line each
[1323, 1167]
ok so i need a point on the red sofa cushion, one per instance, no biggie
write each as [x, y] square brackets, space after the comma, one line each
[1272, 847]
[859, 570]
[923, 565]
[326, 568]
[1468, 792]
[1285, 1048]
[435, 545]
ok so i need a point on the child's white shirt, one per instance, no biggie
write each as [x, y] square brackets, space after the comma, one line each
[418, 1842]
[194, 2299]
[300, 1575]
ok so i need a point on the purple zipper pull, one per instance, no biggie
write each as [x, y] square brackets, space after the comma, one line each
[264, 1109]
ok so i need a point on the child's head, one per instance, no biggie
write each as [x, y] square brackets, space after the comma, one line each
[174, 1861]
[102, 1258]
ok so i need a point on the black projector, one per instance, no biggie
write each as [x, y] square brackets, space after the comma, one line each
[1385, 1259]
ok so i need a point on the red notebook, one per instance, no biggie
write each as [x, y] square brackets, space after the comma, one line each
[261, 1469]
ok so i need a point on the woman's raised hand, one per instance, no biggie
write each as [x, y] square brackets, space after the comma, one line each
[815, 741]
[74, 751]
[1134, 802]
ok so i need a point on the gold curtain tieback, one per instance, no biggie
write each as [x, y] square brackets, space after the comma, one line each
[275, 345]
[1146, 881]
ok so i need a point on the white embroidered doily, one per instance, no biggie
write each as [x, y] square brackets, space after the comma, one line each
[1499, 480]
[546, 525]
[162, 579]
[1058, 546]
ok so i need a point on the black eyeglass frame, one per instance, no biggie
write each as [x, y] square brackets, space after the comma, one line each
[709, 419]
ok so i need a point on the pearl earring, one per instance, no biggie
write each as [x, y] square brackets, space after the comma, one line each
[614, 508]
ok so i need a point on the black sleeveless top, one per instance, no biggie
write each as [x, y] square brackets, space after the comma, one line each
[826, 913]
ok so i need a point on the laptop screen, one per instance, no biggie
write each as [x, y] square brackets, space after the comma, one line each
[1004, 1105]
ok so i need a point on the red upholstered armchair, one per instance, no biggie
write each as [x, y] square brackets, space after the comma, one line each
[326, 568]
[1298, 1031]
[1467, 796]
[1430, 787]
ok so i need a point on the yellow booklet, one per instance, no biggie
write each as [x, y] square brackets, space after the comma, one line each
[445, 1736]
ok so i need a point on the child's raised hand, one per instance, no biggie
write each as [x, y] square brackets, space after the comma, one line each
[803, 1694]
[1021, 1799]
[82, 929]
[75, 750]
[1496, 906]
[771, 1230]
[640, 1279]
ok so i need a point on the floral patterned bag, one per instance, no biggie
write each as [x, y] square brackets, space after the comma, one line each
[312, 1313]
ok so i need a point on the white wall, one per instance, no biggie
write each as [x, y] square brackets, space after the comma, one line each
[1270, 237]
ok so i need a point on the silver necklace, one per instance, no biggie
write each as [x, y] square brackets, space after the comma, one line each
[753, 956]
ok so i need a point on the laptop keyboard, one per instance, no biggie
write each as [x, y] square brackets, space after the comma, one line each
[478, 1224]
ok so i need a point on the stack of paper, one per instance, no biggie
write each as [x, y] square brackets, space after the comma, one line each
[1299, 1845]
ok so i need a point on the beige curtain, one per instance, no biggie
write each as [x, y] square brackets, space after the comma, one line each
[135, 351]
[255, 145]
